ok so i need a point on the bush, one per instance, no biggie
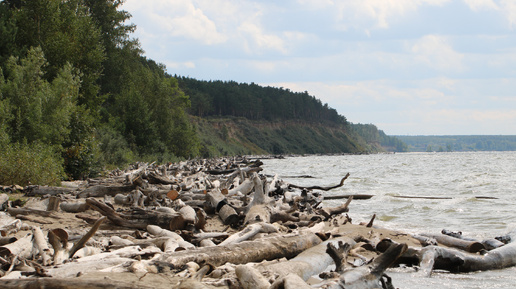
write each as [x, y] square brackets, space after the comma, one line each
[35, 164]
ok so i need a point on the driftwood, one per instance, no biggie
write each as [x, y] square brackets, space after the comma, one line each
[370, 276]
[453, 260]
[139, 219]
[245, 252]
[322, 188]
[468, 246]
[45, 190]
[67, 283]
[238, 228]
[308, 263]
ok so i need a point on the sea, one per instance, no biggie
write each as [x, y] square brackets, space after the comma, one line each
[470, 192]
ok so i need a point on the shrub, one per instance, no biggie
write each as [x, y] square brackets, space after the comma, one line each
[24, 164]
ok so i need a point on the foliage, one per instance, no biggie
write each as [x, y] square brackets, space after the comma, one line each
[24, 164]
[375, 137]
[72, 78]
[229, 98]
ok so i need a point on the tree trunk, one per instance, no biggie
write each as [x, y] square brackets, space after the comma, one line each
[245, 252]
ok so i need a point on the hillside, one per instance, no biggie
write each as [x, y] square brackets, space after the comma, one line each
[460, 143]
[241, 136]
[240, 118]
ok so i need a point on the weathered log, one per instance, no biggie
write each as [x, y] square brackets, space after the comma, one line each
[468, 246]
[433, 257]
[21, 248]
[7, 240]
[258, 213]
[245, 252]
[290, 281]
[489, 244]
[248, 232]
[68, 283]
[310, 262]
[327, 212]
[74, 207]
[228, 215]
[244, 188]
[369, 276]
[251, 278]
[27, 211]
[53, 203]
[41, 244]
[45, 190]
[101, 191]
[139, 219]
[339, 255]
[154, 178]
[321, 188]
[355, 197]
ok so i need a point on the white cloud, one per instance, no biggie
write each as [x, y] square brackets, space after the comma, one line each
[509, 9]
[477, 5]
[180, 18]
[435, 52]
[360, 14]
[255, 40]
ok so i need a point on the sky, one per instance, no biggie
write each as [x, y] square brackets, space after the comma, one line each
[410, 67]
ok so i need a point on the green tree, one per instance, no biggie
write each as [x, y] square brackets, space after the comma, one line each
[40, 110]
[66, 34]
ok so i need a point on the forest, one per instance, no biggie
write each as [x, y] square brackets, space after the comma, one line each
[77, 95]
[459, 143]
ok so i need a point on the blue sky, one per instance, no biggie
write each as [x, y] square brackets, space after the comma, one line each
[411, 67]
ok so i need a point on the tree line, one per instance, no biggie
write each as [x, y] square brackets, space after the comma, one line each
[460, 143]
[255, 102]
[76, 90]
[77, 94]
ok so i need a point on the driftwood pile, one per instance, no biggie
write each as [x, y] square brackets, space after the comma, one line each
[210, 224]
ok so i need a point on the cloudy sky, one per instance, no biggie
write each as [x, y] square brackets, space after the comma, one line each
[411, 67]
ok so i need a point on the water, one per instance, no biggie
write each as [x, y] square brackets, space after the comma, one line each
[460, 176]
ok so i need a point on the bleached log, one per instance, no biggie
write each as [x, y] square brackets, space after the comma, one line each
[27, 211]
[21, 248]
[468, 246]
[74, 207]
[245, 252]
[248, 232]
[206, 243]
[308, 263]
[258, 213]
[41, 244]
[53, 203]
[139, 219]
[271, 186]
[433, 257]
[244, 188]
[251, 278]
[188, 214]
[290, 281]
[159, 232]
[330, 211]
[3, 198]
[369, 276]
[68, 283]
